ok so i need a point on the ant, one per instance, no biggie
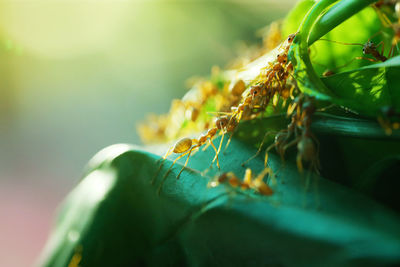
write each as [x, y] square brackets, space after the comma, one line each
[257, 183]
[369, 48]
[227, 124]
[300, 111]
[258, 98]
[186, 146]
[307, 151]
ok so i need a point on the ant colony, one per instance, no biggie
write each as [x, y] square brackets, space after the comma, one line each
[216, 107]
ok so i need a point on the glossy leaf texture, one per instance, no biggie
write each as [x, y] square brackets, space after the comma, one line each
[368, 89]
[115, 216]
[359, 28]
[338, 57]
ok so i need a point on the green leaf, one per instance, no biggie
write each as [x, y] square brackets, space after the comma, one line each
[115, 217]
[308, 79]
[296, 16]
[357, 29]
[368, 89]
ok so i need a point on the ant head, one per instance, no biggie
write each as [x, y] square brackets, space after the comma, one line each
[291, 37]
[368, 47]
[282, 58]
[221, 122]
[255, 90]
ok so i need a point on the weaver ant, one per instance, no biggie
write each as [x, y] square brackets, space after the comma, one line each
[186, 146]
[369, 48]
[257, 183]
[300, 111]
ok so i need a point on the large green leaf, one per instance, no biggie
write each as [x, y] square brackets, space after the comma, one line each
[115, 217]
[124, 213]
[368, 89]
[376, 90]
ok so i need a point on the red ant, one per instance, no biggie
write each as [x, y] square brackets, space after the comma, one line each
[369, 48]
[300, 111]
[257, 183]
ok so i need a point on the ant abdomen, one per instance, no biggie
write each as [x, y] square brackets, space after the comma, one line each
[182, 145]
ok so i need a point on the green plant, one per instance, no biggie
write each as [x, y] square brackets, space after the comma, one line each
[348, 215]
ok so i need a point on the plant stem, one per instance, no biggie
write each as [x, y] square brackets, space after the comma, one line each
[336, 15]
[315, 25]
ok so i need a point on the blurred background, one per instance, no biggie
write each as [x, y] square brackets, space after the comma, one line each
[77, 76]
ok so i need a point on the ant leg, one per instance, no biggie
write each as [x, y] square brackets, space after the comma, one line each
[383, 46]
[266, 154]
[169, 170]
[337, 42]
[367, 58]
[247, 177]
[262, 174]
[299, 163]
[382, 17]
[162, 163]
[391, 52]
[227, 143]
[173, 163]
[293, 142]
[186, 162]
[275, 100]
[292, 106]
[259, 149]
[216, 152]
[317, 163]
[158, 171]
[205, 147]
[219, 147]
[168, 152]
[260, 185]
